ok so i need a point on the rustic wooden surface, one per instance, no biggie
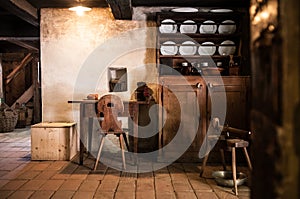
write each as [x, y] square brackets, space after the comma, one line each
[237, 92]
[53, 141]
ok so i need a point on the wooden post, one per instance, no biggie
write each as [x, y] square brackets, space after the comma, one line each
[1, 78]
[36, 91]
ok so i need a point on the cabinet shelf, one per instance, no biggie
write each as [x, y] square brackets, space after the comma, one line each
[177, 39]
[163, 36]
[197, 56]
[199, 16]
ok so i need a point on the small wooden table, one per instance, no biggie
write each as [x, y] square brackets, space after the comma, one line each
[88, 110]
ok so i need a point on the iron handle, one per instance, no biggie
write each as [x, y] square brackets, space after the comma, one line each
[198, 85]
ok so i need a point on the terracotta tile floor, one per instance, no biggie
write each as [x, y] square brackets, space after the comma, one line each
[22, 178]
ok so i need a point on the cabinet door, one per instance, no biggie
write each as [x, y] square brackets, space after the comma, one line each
[237, 106]
[182, 116]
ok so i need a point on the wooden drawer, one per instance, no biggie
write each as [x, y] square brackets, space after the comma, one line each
[53, 141]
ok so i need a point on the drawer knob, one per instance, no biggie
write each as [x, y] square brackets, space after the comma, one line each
[198, 85]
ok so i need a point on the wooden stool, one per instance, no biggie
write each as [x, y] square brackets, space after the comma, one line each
[230, 142]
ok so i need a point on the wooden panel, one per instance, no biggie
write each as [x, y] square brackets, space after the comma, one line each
[53, 141]
[184, 110]
[237, 102]
[237, 108]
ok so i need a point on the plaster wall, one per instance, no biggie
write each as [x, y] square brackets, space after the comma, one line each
[76, 51]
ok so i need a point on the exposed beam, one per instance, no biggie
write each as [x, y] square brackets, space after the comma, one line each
[30, 46]
[7, 47]
[17, 70]
[121, 9]
[22, 9]
[67, 3]
[30, 43]
[191, 3]
[19, 38]
[13, 26]
[27, 7]
[36, 90]
[25, 97]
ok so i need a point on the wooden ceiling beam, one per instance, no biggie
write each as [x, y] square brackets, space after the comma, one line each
[30, 46]
[121, 9]
[19, 38]
[29, 43]
[22, 9]
[191, 3]
[12, 26]
[67, 3]
[7, 47]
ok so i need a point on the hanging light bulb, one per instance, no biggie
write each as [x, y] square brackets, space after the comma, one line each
[80, 9]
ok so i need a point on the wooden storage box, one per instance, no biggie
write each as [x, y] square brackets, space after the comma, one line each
[53, 141]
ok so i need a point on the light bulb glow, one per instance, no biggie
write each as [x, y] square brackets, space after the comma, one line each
[80, 10]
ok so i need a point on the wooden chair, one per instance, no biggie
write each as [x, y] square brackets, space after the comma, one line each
[231, 139]
[110, 107]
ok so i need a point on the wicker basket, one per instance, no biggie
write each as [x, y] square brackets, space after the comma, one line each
[8, 120]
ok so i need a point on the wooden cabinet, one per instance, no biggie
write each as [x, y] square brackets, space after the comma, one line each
[183, 101]
[196, 88]
[234, 60]
[188, 107]
[237, 93]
